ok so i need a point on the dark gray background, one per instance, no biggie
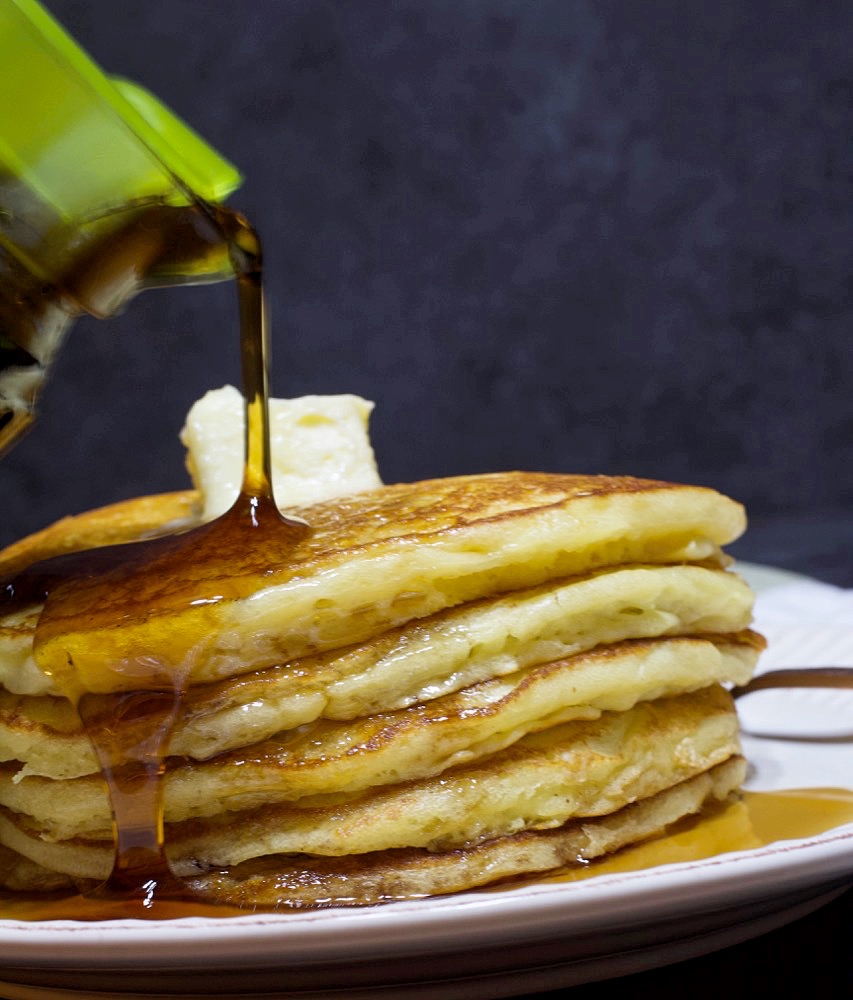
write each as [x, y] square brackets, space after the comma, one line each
[545, 234]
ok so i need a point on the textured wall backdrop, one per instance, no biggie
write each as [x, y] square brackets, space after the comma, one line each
[574, 235]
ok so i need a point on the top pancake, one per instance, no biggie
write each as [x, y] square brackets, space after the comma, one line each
[374, 560]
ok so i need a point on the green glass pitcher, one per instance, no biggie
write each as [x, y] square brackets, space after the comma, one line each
[103, 192]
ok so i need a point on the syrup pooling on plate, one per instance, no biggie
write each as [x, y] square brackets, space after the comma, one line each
[158, 595]
[753, 821]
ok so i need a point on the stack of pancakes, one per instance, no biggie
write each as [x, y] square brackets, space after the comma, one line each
[449, 683]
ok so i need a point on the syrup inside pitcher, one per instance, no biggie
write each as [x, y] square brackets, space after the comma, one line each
[103, 193]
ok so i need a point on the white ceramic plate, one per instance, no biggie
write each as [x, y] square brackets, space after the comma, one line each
[490, 944]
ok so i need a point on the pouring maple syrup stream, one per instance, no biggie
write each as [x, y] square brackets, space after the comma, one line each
[130, 729]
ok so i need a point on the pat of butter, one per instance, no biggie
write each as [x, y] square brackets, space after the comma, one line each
[320, 448]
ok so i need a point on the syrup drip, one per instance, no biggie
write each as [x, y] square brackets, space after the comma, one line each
[130, 734]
